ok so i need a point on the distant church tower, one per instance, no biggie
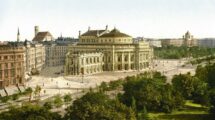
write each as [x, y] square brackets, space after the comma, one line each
[18, 35]
[36, 30]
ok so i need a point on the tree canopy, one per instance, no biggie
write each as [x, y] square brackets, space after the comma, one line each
[29, 112]
[97, 106]
[151, 93]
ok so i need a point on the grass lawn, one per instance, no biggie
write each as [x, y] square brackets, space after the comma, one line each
[191, 111]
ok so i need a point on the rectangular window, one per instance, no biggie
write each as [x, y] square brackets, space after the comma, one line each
[5, 57]
[5, 65]
[0, 74]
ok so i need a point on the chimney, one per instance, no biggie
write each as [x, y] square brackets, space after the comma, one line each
[36, 30]
[89, 28]
[79, 33]
[97, 33]
[106, 27]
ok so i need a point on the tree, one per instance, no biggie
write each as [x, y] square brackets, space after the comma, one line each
[67, 98]
[58, 101]
[152, 93]
[29, 92]
[97, 106]
[47, 105]
[133, 104]
[5, 99]
[212, 100]
[103, 86]
[184, 83]
[37, 91]
[192, 87]
[29, 112]
[15, 96]
[143, 115]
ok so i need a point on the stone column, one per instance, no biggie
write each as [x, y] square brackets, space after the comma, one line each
[129, 60]
[123, 63]
[113, 58]
[79, 66]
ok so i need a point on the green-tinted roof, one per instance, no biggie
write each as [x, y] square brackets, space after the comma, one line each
[115, 33]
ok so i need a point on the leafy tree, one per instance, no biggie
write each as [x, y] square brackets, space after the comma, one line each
[150, 93]
[29, 112]
[172, 52]
[201, 73]
[212, 100]
[184, 83]
[15, 96]
[192, 88]
[97, 106]
[103, 86]
[133, 104]
[29, 92]
[47, 105]
[143, 115]
[5, 99]
[37, 91]
[67, 98]
[115, 84]
[58, 101]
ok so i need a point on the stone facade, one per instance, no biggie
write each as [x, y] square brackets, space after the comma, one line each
[188, 39]
[207, 42]
[104, 50]
[172, 42]
[55, 54]
[11, 65]
[34, 56]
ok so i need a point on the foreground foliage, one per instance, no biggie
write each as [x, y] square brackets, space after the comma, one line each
[29, 112]
[172, 52]
[97, 106]
[150, 93]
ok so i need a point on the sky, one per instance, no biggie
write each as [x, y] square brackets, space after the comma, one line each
[145, 18]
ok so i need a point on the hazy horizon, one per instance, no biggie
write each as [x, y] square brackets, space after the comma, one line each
[147, 18]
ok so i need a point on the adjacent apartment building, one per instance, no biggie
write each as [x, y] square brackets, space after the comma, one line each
[55, 54]
[34, 56]
[11, 65]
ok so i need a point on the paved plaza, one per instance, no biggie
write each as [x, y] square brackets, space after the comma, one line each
[53, 84]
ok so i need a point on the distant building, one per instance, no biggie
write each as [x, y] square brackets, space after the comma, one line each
[206, 42]
[186, 40]
[104, 50]
[55, 54]
[34, 56]
[42, 36]
[11, 65]
[172, 42]
[66, 40]
[152, 42]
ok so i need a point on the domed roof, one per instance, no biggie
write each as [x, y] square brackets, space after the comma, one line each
[187, 33]
[115, 33]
